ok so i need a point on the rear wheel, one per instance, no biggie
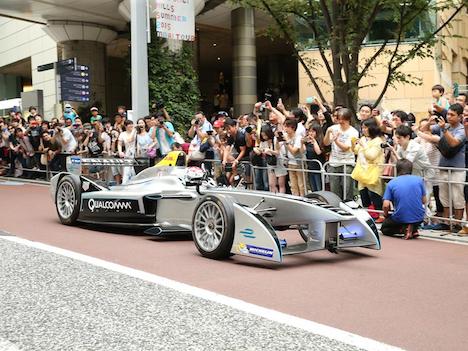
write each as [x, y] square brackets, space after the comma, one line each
[213, 227]
[67, 200]
[324, 196]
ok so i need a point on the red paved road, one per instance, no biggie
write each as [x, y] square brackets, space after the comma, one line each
[410, 294]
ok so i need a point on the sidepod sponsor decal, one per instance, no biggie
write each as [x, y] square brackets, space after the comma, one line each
[96, 205]
[254, 250]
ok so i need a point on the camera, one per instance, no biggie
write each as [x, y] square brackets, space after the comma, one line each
[387, 144]
[280, 136]
[160, 105]
[266, 97]
[209, 132]
[248, 129]
[161, 120]
[197, 122]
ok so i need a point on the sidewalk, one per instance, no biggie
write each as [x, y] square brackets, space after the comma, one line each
[439, 235]
[443, 235]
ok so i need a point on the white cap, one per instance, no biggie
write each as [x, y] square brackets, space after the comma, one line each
[93, 109]
[68, 106]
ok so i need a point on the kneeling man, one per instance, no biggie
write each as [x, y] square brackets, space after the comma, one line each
[408, 195]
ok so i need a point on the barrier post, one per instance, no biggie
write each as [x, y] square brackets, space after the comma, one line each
[449, 178]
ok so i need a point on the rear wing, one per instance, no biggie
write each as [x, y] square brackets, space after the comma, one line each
[75, 163]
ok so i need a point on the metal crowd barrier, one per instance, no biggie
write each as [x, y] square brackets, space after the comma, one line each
[324, 173]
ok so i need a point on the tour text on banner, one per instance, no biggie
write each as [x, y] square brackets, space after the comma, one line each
[175, 19]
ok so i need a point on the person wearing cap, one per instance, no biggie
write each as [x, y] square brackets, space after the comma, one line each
[95, 116]
[222, 115]
[218, 124]
[70, 113]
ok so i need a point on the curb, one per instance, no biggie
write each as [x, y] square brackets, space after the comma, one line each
[22, 180]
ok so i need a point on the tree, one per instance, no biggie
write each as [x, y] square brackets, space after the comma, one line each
[339, 28]
[173, 80]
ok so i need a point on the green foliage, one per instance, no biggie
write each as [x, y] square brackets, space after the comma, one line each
[173, 80]
[343, 27]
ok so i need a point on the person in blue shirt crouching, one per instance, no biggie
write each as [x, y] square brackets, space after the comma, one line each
[407, 194]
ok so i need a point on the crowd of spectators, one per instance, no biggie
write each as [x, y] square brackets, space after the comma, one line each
[271, 148]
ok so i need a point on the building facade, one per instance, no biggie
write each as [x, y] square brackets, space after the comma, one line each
[232, 57]
[448, 66]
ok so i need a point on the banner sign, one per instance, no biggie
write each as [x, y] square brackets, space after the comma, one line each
[175, 19]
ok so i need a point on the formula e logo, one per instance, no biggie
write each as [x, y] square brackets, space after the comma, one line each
[248, 233]
[109, 205]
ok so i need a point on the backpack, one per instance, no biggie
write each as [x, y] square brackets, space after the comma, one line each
[448, 151]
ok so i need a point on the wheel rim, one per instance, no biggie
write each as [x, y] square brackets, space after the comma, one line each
[65, 200]
[209, 226]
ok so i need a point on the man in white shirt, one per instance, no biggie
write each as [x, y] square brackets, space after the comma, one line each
[199, 129]
[67, 140]
[341, 136]
[414, 152]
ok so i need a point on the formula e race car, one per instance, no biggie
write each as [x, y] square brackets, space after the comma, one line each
[223, 221]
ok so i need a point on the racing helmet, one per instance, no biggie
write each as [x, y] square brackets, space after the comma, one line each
[194, 175]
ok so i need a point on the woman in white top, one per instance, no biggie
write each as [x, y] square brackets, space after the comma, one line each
[127, 139]
[144, 140]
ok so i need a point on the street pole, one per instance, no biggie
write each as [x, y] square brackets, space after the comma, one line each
[140, 94]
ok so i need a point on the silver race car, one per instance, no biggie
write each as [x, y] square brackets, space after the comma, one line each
[223, 221]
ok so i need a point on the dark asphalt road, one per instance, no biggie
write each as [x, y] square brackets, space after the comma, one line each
[411, 294]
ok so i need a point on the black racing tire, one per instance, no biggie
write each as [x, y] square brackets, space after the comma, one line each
[213, 227]
[324, 196]
[68, 199]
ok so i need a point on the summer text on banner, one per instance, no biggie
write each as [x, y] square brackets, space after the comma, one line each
[175, 19]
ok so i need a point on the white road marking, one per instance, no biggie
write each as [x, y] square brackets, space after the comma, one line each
[310, 326]
[5, 345]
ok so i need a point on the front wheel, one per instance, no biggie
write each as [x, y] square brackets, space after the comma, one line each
[213, 227]
[67, 200]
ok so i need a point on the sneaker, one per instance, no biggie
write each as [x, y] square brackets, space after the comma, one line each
[441, 226]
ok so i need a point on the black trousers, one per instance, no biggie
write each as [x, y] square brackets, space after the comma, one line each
[390, 227]
[369, 197]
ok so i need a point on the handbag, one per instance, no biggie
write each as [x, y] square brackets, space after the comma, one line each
[151, 152]
[366, 175]
[256, 159]
[271, 160]
[195, 154]
[448, 151]
[388, 171]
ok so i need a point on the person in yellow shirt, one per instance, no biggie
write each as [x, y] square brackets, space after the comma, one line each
[368, 171]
